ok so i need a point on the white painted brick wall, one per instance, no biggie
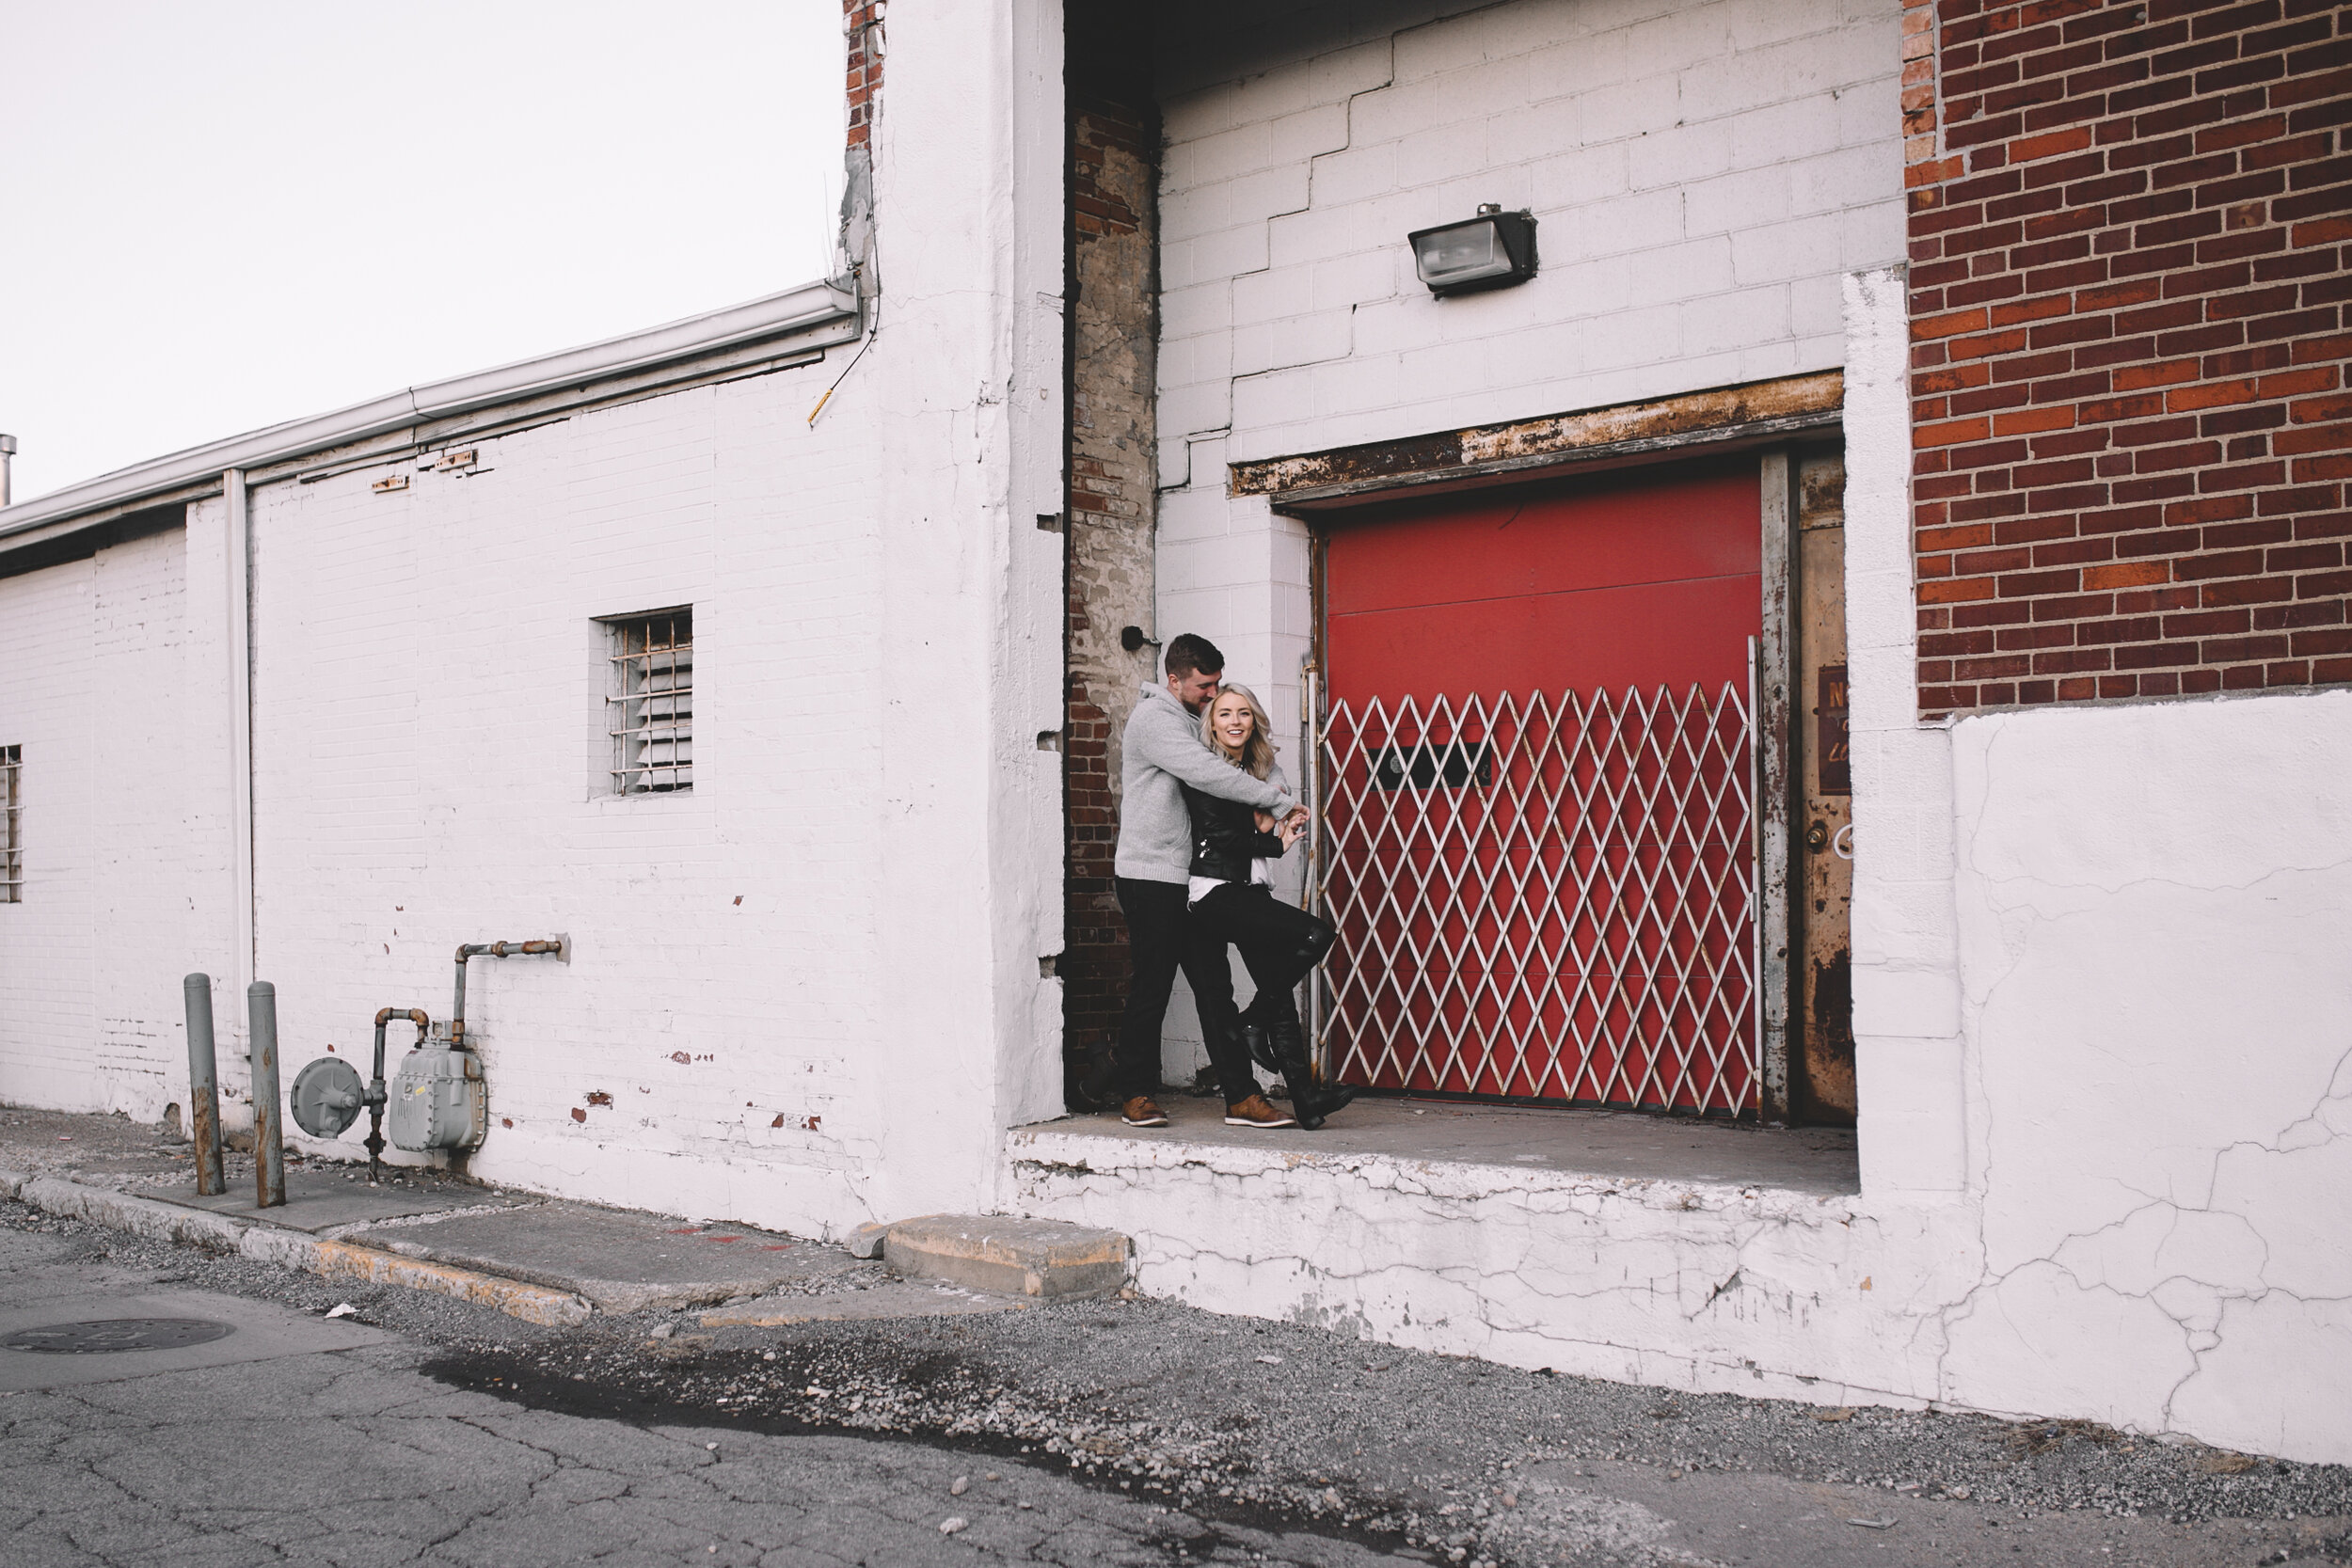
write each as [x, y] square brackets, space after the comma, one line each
[429, 763]
[811, 989]
[91, 960]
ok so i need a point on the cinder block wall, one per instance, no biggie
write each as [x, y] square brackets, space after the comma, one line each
[1703, 177]
[2128, 244]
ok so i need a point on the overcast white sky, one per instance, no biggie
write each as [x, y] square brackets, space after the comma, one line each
[221, 215]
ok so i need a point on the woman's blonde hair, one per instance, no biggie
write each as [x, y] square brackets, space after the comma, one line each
[1257, 752]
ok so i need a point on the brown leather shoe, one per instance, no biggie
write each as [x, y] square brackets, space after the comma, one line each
[1255, 1112]
[1140, 1112]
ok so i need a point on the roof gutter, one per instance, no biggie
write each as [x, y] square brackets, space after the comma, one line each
[806, 310]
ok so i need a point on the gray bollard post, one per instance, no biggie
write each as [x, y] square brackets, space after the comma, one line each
[204, 1087]
[269, 1117]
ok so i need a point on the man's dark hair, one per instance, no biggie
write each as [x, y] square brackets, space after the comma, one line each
[1189, 655]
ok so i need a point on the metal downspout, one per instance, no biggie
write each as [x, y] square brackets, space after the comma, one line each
[240, 656]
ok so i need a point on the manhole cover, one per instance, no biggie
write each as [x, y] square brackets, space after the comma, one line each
[116, 1333]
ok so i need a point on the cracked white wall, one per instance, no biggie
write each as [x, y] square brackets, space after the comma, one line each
[2155, 921]
[2103, 1010]
[1686, 1284]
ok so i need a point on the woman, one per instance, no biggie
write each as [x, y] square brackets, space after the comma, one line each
[1233, 851]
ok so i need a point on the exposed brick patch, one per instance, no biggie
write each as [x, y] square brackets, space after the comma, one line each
[859, 18]
[1112, 500]
[2129, 227]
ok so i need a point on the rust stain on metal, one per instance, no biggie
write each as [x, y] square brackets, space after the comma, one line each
[681, 1059]
[204, 1129]
[579, 1114]
[597, 1096]
[1821, 493]
[1694, 413]
[779, 1121]
[1680, 416]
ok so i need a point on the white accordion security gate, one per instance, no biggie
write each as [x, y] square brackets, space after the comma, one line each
[1548, 897]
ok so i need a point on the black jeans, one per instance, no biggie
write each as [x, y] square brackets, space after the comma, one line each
[1157, 946]
[1281, 944]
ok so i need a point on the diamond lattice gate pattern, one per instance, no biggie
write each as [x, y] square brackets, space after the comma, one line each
[1546, 896]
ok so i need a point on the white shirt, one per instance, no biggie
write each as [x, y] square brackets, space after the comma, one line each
[1261, 874]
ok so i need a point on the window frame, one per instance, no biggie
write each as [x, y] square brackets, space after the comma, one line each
[648, 654]
[12, 824]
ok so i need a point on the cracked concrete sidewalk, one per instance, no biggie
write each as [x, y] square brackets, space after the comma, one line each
[548, 1261]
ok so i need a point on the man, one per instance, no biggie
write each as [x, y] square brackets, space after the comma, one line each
[1162, 752]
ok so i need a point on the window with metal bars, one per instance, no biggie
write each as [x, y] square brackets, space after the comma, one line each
[11, 825]
[649, 709]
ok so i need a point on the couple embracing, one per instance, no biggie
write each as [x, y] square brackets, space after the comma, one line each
[1204, 814]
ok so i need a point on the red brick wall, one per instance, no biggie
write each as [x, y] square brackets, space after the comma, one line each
[1112, 510]
[865, 67]
[2128, 274]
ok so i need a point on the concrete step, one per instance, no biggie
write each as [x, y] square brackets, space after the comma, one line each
[1049, 1260]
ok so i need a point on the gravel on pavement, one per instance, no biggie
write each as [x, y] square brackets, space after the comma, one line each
[1290, 1433]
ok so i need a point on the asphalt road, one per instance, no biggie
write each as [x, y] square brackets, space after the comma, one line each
[415, 1428]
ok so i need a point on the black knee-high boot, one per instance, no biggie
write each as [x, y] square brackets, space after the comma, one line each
[1310, 1101]
[1260, 1048]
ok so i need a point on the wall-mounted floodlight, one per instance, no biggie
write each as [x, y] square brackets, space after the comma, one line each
[1493, 250]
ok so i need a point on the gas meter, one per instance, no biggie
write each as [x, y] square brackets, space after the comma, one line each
[438, 1099]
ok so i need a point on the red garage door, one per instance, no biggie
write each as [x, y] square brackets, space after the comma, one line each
[1538, 767]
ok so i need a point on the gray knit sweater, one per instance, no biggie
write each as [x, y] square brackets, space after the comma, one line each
[1162, 745]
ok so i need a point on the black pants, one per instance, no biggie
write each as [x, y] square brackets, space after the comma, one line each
[1157, 947]
[1280, 942]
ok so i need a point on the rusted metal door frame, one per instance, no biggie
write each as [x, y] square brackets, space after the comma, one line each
[1775, 783]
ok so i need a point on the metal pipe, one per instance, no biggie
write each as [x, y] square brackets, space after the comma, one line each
[269, 1116]
[487, 950]
[7, 453]
[238, 644]
[204, 1087]
[377, 1095]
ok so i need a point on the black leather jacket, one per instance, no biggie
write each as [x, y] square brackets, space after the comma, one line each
[1225, 837]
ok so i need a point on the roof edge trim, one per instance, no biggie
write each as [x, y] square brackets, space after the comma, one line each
[809, 307]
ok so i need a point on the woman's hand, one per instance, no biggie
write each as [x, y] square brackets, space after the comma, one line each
[1264, 820]
[1292, 828]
